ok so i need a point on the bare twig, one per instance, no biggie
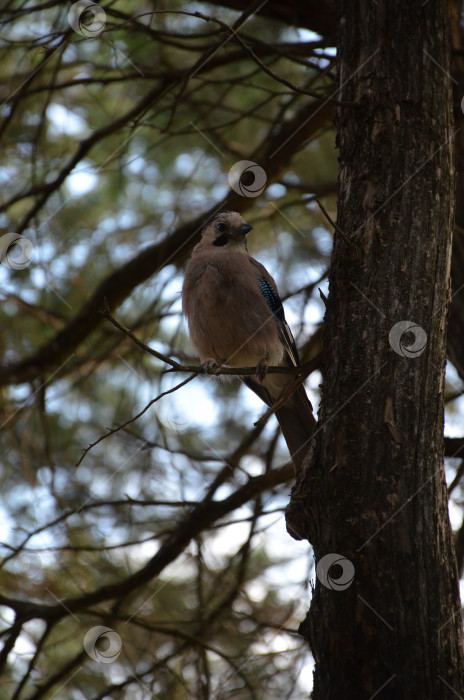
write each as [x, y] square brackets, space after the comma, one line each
[202, 517]
[134, 418]
[334, 224]
[200, 369]
[303, 372]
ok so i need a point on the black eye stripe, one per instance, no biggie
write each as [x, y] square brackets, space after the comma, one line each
[221, 240]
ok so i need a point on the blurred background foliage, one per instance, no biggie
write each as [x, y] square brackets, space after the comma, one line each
[115, 145]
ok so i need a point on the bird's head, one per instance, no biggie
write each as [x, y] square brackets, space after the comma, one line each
[226, 229]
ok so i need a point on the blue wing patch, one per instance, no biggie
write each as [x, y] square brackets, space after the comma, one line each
[275, 304]
[272, 298]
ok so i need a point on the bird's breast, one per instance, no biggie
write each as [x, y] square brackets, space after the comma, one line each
[228, 317]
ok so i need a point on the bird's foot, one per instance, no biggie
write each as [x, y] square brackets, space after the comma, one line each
[261, 370]
[210, 365]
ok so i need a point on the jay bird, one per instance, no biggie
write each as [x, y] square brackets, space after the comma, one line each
[236, 319]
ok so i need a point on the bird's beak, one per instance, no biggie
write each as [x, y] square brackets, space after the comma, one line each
[242, 230]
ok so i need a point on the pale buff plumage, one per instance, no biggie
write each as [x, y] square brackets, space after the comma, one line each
[235, 318]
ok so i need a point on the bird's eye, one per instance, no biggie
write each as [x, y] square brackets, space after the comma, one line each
[221, 226]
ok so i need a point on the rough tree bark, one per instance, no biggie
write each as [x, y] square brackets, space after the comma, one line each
[456, 319]
[374, 490]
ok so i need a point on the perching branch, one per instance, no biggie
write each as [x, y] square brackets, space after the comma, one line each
[300, 373]
[304, 370]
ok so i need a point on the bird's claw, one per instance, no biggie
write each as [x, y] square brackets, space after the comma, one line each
[261, 370]
[209, 365]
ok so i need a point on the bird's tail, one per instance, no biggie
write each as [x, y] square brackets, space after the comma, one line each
[296, 418]
[297, 423]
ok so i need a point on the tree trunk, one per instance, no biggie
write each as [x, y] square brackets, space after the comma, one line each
[374, 490]
[456, 320]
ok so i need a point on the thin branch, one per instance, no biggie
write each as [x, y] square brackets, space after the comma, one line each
[457, 478]
[334, 224]
[105, 313]
[32, 662]
[112, 431]
[13, 634]
[202, 517]
[199, 369]
[303, 372]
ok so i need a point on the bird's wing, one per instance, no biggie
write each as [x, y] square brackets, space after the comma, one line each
[268, 290]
